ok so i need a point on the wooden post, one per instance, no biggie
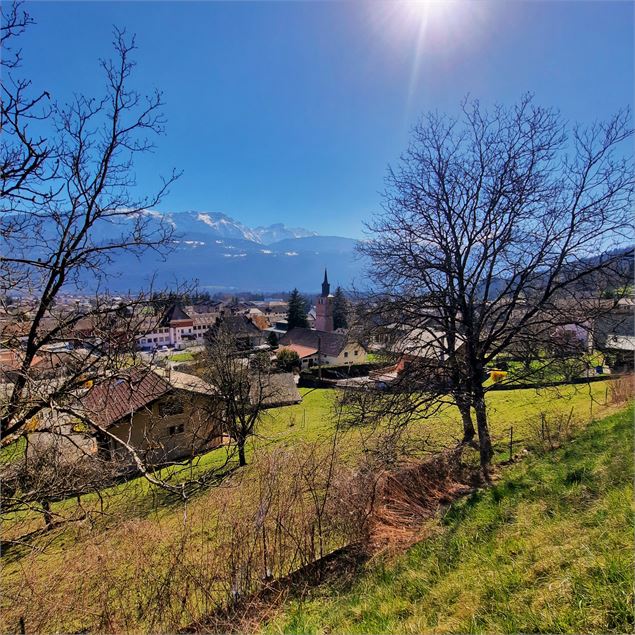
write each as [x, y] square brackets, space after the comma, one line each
[511, 442]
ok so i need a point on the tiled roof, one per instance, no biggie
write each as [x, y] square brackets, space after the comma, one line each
[236, 325]
[119, 397]
[302, 351]
[111, 400]
[260, 321]
[328, 343]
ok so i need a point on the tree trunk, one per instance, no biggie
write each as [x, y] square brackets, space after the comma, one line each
[468, 427]
[241, 453]
[484, 441]
[48, 517]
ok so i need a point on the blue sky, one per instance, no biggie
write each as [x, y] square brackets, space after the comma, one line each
[291, 111]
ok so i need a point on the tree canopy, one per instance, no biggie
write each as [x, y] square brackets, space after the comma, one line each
[496, 228]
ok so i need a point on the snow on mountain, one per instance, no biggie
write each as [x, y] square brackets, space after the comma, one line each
[278, 231]
[220, 252]
[218, 225]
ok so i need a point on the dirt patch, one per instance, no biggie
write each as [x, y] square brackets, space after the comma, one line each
[409, 496]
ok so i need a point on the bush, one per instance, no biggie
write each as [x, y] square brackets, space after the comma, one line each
[288, 360]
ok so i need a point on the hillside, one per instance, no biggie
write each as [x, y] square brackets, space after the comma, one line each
[548, 549]
[131, 555]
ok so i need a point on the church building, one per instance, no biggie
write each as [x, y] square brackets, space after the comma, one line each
[324, 307]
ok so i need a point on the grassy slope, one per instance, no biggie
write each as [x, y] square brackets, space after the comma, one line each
[313, 419]
[136, 506]
[548, 549]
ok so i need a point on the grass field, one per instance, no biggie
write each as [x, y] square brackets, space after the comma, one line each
[548, 549]
[181, 357]
[70, 561]
[313, 419]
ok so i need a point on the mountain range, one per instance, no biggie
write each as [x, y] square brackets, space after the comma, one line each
[222, 253]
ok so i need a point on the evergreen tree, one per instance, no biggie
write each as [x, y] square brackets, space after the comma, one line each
[340, 310]
[272, 339]
[297, 314]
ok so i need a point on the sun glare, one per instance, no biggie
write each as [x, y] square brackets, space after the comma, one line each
[419, 30]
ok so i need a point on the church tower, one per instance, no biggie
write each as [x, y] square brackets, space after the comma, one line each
[324, 307]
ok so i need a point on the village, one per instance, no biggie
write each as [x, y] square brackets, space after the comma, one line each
[158, 407]
[317, 317]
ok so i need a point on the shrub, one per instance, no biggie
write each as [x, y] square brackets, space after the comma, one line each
[288, 360]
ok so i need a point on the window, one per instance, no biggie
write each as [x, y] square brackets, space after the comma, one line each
[178, 429]
[356, 352]
[170, 407]
[346, 354]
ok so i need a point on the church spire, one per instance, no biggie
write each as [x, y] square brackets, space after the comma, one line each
[326, 287]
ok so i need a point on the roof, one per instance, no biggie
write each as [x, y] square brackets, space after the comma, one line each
[174, 314]
[121, 396]
[429, 343]
[260, 321]
[279, 389]
[236, 325]
[118, 397]
[327, 342]
[302, 351]
[185, 381]
[621, 342]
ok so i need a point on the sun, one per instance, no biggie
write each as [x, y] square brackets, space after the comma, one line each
[427, 9]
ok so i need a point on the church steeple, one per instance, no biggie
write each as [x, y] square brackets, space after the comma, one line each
[324, 307]
[326, 287]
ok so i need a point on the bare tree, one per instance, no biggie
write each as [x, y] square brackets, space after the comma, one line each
[67, 238]
[27, 162]
[495, 225]
[245, 387]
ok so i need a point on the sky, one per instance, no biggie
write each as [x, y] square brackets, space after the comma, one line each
[291, 111]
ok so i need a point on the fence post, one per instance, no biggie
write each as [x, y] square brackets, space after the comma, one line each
[511, 442]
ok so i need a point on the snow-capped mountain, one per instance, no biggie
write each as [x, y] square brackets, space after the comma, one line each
[221, 253]
[219, 225]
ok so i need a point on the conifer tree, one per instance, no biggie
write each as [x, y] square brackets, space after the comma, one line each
[297, 313]
[340, 310]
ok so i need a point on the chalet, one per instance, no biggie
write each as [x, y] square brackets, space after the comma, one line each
[163, 417]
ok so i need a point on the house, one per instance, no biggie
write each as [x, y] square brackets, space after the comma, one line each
[279, 328]
[419, 353]
[47, 364]
[178, 328]
[163, 417]
[241, 328]
[323, 347]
